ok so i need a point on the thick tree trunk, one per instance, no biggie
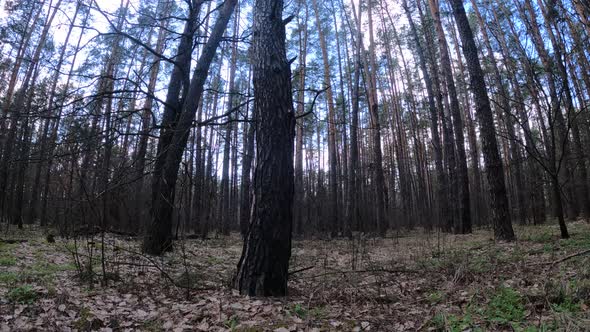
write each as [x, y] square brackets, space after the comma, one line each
[495, 172]
[263, 269]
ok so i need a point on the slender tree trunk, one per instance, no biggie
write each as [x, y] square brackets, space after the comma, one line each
[299, 190]
[332, 152]
[463, 225]
[441, 184]
[379, 178]
[34, 213]
[158, 238]
[225, 185]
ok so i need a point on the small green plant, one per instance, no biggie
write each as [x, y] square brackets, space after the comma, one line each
[23, 294]
[435, 297]
[8, 277]
[580, 289]
[452, 323]
[87, 321]
[505, 307]
[232, 323]
[214, 260]
[7, 261]
[318, 312]
[457, 324]
[548, 248]
[438, 322]
[480, 264]
[543, 237]
[542, 328]
[568, 305]
[299, 310]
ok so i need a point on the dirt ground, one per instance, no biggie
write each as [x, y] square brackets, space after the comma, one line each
[410, 281]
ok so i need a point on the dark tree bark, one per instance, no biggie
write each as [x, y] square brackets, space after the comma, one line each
[353, 213]
[263, 267]
[245, 186]
[159, 235]
[495, 170]
[333, 203]
[378, 180]
[299, 190]
[226, 206]
[463, 225]
[441, 184]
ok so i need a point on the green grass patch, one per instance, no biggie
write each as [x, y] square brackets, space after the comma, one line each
[435, 297]
[540, 237]
[567, 297]
[22, 294]
[299, 311]
[454, 323]
[582, 241]
[303, 312]
[7, 261]
[214, 260]
[319, 312]
[232, 323]
[8, 278]
[505, 307]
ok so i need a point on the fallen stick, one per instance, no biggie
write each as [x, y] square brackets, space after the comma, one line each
[364, 271]
[569, 257]
[301, 270]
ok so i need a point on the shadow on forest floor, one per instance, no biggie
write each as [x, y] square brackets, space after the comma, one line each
[410, 281]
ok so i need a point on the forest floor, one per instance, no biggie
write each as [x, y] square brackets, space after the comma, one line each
[411, 281]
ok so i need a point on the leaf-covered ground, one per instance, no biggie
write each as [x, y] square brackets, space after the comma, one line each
[409, 281]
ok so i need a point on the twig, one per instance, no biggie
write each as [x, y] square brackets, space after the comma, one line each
[366, 271]
[569, 257]
[301, 270]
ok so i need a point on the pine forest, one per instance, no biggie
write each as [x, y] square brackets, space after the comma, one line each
[294, 165]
